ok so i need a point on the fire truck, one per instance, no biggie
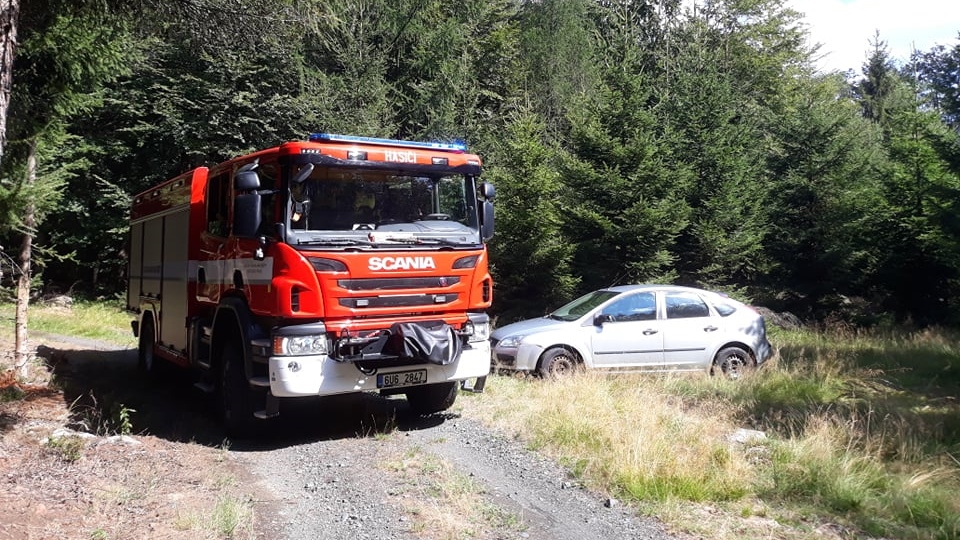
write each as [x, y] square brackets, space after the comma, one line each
[339, 264]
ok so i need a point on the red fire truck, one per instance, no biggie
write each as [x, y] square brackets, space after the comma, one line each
[334, 265]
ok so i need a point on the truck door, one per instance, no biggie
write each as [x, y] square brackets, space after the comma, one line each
[210, 268]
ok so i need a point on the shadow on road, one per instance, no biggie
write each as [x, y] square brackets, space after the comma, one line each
[107, 394]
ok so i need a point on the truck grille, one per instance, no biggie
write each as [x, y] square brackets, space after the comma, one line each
[407, 300]
[380, 284]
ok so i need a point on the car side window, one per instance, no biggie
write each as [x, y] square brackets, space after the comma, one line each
[685, 305]
[633, 307]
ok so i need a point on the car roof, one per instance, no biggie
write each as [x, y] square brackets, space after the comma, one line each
[654, 287]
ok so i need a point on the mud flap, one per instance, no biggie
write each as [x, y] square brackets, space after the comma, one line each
[436, 343]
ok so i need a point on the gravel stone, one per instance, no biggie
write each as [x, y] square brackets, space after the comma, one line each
[332, 483]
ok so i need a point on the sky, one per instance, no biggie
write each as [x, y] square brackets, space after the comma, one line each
[846, 27]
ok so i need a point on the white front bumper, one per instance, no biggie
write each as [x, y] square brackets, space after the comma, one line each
[321, 376]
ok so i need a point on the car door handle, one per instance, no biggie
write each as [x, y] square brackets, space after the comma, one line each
[650, 332]
[710, 329]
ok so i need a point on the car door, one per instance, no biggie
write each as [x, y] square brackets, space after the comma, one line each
[689, 331]
[629, 335]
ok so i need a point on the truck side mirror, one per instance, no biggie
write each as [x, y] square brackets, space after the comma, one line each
[486, 217]
[487, 191]
[246, 180]
[246, 214]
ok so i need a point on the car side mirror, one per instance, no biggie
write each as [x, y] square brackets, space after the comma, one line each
[602, 318]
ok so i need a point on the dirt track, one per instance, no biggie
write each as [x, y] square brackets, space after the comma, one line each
[357, 466]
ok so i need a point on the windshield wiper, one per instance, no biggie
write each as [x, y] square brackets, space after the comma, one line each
[423, 241]
[335, 242]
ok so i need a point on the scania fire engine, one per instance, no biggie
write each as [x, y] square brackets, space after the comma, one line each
[334, 265]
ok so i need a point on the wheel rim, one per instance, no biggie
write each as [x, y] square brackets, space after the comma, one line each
[733, 366]
[562, 364]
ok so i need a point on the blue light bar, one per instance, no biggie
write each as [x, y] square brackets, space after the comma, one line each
[333, 137]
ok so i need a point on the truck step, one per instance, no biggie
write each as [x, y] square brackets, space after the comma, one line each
[205, 333]
[261, 348]
[271, 408]
[205, 387]
[261, 382]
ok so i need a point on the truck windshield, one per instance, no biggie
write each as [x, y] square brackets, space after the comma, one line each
[345, 203]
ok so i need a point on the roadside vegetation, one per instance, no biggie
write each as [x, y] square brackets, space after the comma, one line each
[845, 432]
[101, 321]
[61, 444]
[851, 432]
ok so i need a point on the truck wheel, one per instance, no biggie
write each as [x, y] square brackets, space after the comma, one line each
[146, 361]
[432, 398]
[236, 396]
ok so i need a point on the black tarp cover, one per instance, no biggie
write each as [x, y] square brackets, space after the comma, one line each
[433, 342]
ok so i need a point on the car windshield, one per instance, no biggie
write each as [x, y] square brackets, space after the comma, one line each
[583, 305]
[343, 203]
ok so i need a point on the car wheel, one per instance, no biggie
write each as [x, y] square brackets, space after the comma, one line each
[733, 363]
[558, 362]
[432, 398]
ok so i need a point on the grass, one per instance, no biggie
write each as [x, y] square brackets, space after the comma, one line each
[102, 321]
[231, 517]
[443, 502]
[863, 431]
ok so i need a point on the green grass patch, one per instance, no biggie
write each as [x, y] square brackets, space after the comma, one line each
[102, 321]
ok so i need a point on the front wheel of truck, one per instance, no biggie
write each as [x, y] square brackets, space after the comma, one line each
[236, 396]
[432, 398]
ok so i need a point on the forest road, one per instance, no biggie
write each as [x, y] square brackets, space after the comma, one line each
[354, 466]
[368, 468]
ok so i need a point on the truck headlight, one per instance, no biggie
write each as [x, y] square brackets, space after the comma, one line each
[299, 345]
[477, 331]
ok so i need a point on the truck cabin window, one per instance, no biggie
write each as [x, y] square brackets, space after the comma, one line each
[336, 201]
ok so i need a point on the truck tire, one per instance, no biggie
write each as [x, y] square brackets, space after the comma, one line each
[236, 396]
[146, 360]
[432, 398]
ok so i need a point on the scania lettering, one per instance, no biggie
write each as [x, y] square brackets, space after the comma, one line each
[334, 265]
[401, 263]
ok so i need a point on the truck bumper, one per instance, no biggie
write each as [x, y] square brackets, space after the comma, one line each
[301, 376]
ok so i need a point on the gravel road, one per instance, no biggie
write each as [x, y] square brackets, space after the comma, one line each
[378, 472]
[364, 466]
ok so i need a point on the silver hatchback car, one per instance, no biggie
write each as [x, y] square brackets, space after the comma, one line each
[637, 328]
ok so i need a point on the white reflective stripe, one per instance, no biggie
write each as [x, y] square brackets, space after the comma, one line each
[220, 272]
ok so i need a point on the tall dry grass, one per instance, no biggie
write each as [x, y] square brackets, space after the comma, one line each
[862, 429]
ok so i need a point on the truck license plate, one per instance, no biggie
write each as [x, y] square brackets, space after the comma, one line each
[402, 378]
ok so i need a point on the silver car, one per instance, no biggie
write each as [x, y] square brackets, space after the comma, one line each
[637, 328]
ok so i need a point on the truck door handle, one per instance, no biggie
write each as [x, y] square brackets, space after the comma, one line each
[650, 332]
[710, 329]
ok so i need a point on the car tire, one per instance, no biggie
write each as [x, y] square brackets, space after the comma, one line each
[733, 363]
[558, 362]
[432, 398]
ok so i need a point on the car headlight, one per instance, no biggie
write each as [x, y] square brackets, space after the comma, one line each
[512, 341]
[299, 345]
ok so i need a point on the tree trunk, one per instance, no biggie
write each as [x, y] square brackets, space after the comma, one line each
[22, 354]
[9, 17]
